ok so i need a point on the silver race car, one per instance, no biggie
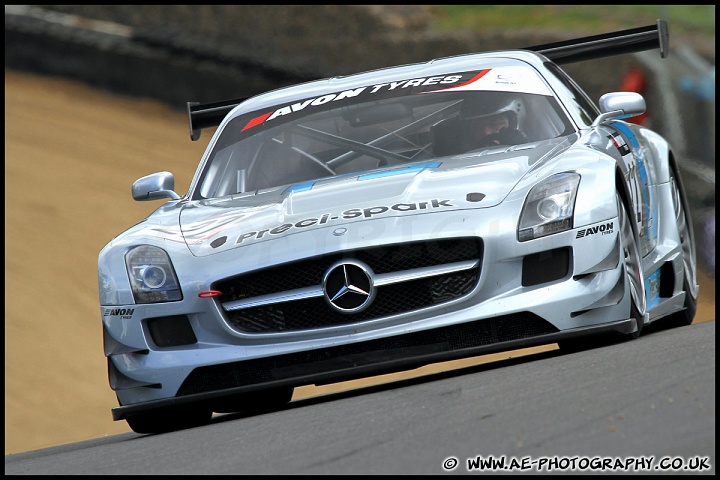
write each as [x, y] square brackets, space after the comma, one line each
[378, 222]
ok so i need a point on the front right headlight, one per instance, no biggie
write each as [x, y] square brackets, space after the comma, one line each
[549, 207]
[152, 276]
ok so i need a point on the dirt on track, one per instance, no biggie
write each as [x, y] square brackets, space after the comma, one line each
[71, 155]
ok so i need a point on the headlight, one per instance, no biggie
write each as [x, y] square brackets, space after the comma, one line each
[549, 207]
[152, 277]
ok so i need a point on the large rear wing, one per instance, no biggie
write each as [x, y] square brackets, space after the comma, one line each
[620, 42]
[208, 114]
[608, 44]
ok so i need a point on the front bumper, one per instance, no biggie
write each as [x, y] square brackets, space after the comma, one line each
[370, 358]
[503, 311]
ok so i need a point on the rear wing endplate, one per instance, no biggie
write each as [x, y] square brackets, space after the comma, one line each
[620, 42]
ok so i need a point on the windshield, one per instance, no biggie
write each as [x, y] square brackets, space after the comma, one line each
[370, 128]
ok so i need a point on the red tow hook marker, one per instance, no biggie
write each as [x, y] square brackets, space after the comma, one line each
[210, 293]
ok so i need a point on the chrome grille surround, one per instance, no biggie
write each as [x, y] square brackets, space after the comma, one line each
[404, 277]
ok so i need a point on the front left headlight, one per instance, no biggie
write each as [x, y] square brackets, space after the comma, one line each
[549, 207]
[152, 276]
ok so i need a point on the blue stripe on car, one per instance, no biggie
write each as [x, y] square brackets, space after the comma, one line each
[416, 167]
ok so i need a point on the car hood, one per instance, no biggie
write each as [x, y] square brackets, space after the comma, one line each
[446, 184]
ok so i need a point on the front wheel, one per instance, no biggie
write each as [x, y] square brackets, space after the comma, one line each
[635, 287]
[630, 252]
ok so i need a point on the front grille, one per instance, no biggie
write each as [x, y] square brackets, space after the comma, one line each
[390, 299]
[322, 361]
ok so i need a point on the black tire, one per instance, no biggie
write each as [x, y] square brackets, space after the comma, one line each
[255, 402]
[636, 287]
[687, 240]
[170, 419]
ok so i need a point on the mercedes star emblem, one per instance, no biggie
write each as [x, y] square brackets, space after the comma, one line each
[348, 286]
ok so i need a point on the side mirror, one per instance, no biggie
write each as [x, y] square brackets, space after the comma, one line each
[154, 187]
[620, 105]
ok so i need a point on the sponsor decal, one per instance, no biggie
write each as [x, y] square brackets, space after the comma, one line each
[605, 229]
[652, 289]
[379, 89]
[352, 213]
[620, 144]
[125, 313]
[507, 79]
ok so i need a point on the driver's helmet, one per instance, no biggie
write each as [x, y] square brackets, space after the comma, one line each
[488, 104]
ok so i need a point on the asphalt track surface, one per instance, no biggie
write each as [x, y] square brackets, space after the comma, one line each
[636, 407]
